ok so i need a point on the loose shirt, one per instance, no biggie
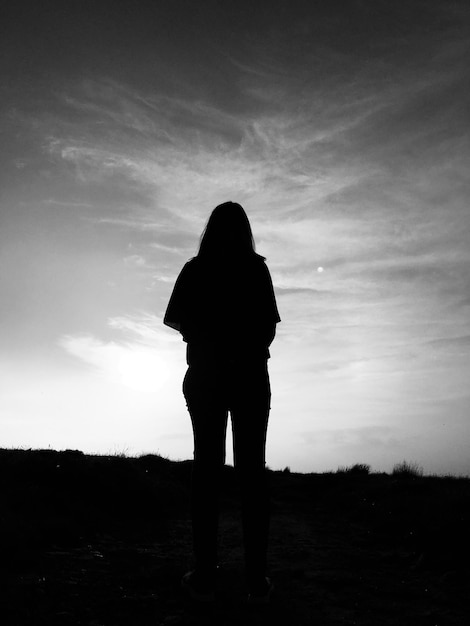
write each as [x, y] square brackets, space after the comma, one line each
[225, 310]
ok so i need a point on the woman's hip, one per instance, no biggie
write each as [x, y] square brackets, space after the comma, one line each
[227, 384]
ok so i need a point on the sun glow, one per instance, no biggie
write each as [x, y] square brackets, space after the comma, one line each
[143, 370]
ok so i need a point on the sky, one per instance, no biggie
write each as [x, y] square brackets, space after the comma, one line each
[342, 127]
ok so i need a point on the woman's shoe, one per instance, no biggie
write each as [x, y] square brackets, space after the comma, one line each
[260, 595]
[198, 587]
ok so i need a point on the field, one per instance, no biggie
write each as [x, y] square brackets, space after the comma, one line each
[104, 540]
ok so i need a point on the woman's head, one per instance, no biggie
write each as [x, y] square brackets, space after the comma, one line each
[227, 232]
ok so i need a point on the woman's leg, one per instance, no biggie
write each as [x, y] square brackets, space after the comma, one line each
[250, 412]
[209, 421]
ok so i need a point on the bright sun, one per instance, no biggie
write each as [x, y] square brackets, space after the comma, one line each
[142, 370]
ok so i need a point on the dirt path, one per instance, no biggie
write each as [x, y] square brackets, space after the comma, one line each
[324, 573]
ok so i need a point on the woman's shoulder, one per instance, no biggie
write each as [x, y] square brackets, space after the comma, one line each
[191, 264]
[187, 272]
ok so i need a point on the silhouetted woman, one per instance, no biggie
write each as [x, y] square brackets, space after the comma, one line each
[223, 304]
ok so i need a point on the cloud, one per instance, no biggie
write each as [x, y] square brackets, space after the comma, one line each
[135, 261]
[147, 328]
[197, 163]
[166, 248]
[365, 436]
[143, 357]
[459, 343]
[287, 291]
[318, 184]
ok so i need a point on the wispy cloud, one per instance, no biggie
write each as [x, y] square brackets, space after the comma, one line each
[323, 182]
[147, 328]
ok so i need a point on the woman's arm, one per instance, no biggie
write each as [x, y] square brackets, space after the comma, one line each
[177, 305]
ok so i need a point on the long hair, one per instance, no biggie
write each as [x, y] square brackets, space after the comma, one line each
[227, 234]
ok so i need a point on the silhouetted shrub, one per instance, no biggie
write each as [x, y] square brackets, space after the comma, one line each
[407, 470]
[357, 469]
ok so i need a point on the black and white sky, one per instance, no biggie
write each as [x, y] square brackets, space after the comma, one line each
[342, 127]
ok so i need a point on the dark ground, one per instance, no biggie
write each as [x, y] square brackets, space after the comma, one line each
[103, 541]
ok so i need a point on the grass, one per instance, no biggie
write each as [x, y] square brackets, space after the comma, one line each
[90, 525]
[49, 495]
[405, 469]
[358, 469]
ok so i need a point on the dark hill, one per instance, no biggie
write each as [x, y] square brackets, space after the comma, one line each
[104, 540]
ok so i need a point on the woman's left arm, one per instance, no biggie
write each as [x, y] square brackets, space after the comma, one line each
[177, 305]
